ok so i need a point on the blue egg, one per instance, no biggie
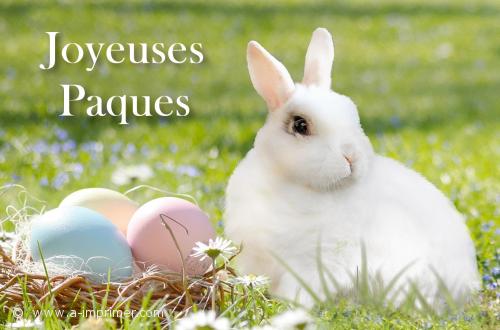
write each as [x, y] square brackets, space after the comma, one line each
[83, 241]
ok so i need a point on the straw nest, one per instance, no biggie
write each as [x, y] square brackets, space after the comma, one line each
[22, 280]
[170, 291]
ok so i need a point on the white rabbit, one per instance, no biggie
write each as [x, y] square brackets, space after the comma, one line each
[313, 177]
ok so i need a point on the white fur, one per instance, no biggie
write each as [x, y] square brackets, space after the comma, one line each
[291, 192]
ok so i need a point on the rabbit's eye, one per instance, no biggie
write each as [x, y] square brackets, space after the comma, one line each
[300, 125]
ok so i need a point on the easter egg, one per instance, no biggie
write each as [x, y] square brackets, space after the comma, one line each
[114, 206]
[81, 240]
[153, 244]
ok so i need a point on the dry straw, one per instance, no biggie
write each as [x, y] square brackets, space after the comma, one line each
[21, 278]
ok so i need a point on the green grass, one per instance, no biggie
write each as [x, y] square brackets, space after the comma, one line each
[424, 75]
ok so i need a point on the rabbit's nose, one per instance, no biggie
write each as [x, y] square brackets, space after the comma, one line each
[349, 161]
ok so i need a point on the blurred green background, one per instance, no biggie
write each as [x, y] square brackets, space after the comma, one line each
[424, 75]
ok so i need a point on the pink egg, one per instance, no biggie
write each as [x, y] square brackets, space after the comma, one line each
[152, 244]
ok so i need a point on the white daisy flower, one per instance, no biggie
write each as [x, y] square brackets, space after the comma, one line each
[293, 320]
[130, 174]
[215, 248]
[26, 324]
[93, 323]
[203, 320]
[265, 327]
[253, 281]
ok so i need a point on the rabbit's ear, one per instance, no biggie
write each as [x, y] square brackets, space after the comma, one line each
[319, 59]
[269, 77]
